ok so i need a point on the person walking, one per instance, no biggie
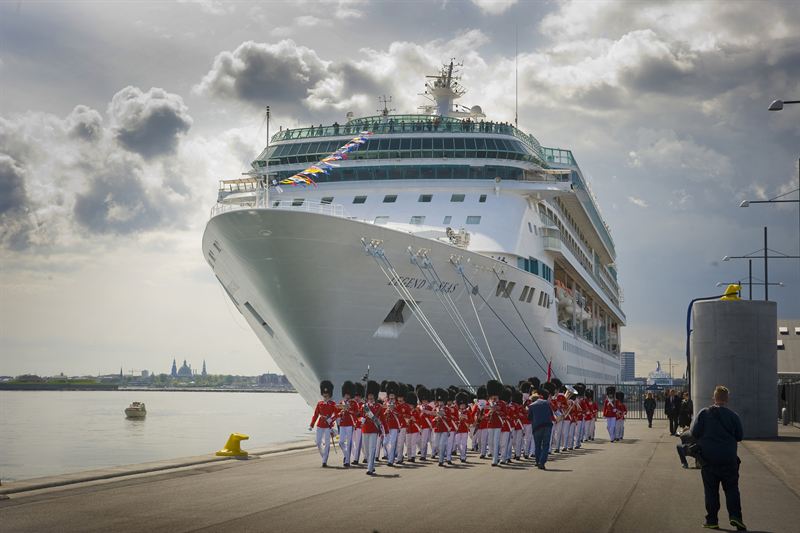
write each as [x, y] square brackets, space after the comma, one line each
[649, 408]
[541, 416]
[718, 430]
[671, 409]
[685, 412]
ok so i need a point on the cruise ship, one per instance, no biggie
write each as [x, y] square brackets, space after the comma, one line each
[446, 249]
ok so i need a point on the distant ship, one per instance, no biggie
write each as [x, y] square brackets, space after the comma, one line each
[446, 249]
[136, 410]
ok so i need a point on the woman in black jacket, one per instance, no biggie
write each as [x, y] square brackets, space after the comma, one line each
[686, 411]
[649, 408]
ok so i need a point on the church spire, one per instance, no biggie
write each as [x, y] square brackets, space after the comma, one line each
[174, 372]
[204, 368]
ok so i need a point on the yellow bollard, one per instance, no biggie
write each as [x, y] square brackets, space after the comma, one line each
[233, 446]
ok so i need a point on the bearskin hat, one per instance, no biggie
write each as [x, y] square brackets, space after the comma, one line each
[536, 382]
[348, 388]
[620, 396]
[402, 390]
[550, 387]
[589, 394]
[516, 397]
[544, 392]
[440, 395]
[358, 390]
[581, 388]
[326, 387]
[373, 388]
[610, 391]
[383, 385]
[411, 398]
[392, 388]
[451, 394]
[557, 382]
[505, 394]
[423, 394]
[481, 392]
[493, 387]
[525, 387]
[462, 397]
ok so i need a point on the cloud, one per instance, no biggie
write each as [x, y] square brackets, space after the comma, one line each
[15, 225]
[637, 201]
[85, 123]
[148, 123]
[212, 7]
[494, 7]
[259, 73]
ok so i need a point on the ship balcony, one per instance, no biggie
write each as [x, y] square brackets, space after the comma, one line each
[297, 204]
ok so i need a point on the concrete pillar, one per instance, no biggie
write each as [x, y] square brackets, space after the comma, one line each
[734, 344]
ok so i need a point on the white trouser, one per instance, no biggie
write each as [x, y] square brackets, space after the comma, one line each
[461, 445]
[412, 443]
[493, 437]
[324, 443]
[555, 438]
[451, 443]
[566, 426]
[619, 431]
[424, 440]
[441, 444]
[356, 446]
[592, 424]
[370, 445]
[505, 445]
[345, 442]
[483, 446]
[401, 444]
[611, 424]
[390, 444]
[578, 433]
[527, 439]
[517, 443]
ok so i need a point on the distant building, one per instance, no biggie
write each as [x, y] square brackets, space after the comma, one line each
[145, 374]
[174, 372]
[789, 348]
[627, 368]
[185, 371]
[274, 380]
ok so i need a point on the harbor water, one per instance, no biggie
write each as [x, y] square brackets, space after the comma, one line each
[45, 433]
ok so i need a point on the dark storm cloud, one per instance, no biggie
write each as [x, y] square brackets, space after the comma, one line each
[150, 123]
[12, 186]
[259, 73]
[116, 202]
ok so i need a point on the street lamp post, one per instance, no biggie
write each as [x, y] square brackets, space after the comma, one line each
[767, 257]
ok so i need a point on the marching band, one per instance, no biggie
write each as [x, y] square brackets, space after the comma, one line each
[405, 423]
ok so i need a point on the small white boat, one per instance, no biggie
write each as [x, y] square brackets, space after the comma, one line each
[136, 410]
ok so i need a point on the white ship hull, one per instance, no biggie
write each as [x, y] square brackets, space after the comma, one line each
[316, 299]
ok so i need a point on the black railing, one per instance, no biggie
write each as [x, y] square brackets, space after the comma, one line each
[789, 397]
[634, 399]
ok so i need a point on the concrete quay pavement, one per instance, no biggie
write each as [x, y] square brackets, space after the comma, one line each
[636, 485]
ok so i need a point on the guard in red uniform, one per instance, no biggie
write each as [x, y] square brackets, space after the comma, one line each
[479, 435]
[610, 413]
[348, 412]
[413, 425]
[452, 417]
[324, 417]
[441, 425]
[593, 410]
[391, 420]
[358, 400]
[402, 415]
[527, 435]
[463, 424]
[496, 412]
[622, 410]
[371, 425]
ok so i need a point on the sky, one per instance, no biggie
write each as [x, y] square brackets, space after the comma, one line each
[117, 119]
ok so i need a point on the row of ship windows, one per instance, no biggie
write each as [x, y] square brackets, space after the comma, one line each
[535, 267]
[504, 289]
[415, 154]
[413, 172]
[405, 144]
[420, 219]
[391, 198]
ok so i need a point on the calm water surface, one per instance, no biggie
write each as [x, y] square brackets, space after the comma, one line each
[43, 433]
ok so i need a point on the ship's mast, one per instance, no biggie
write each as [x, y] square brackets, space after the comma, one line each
[444, 89]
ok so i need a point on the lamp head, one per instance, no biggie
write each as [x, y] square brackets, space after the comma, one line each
[776, 105]
[726, 258]
[744, 203]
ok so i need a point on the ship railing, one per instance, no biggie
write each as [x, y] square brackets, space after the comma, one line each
[335, 210]
[391, 124]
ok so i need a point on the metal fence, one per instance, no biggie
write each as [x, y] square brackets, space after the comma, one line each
[789, 397]
[634, 399]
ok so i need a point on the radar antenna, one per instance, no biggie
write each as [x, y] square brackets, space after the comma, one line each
[385, 102]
